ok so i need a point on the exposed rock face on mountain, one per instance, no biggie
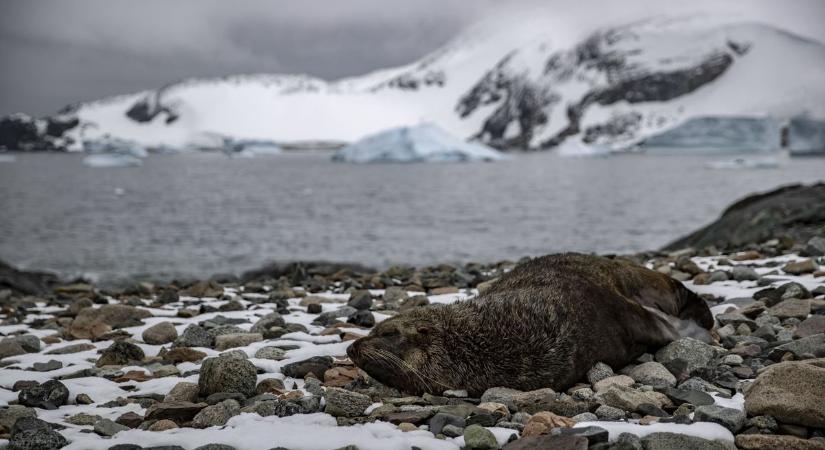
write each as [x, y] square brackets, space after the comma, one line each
[526, 88]
[796, 212]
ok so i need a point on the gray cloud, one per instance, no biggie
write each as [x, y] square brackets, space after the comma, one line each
[55, 52]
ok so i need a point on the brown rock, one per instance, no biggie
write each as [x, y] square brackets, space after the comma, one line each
[130, 419]
[620, 380]
[774, 442]
[792, 392]
[91, 323]
[542, 422]
[746, 256]
[793, 307]
[162, 425]
[810, 326]
[182, 392]
[340, 376]
[203, 289]
[800, 267]
[271, 385]
[184, 354]
[444, 290]
[179, 412]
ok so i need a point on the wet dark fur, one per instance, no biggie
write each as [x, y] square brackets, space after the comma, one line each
[544, 324]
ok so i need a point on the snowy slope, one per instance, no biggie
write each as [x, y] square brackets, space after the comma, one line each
[526, 87]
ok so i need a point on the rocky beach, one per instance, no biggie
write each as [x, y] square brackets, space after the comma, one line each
[259, 361]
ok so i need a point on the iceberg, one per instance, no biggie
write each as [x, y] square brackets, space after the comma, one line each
[112, 160]
[806, 137]
[768, 162]
[110, 145]
[575, 148]
[717, 134]
[420, 143]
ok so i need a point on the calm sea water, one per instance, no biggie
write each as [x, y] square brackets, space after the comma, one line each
[199, 214]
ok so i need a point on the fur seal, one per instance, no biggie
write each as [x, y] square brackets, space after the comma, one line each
[544, 324]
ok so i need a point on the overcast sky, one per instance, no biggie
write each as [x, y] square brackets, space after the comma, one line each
[55, 52]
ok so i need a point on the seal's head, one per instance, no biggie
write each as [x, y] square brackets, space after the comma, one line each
[406, 352]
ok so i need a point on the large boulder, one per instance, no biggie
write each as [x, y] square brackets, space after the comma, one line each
[792, 211]
[24, 282]
[792, 392]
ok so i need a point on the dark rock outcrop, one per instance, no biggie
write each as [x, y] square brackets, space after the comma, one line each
[796, 212]
[24, 282]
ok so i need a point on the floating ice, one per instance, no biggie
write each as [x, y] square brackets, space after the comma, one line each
[112, 160]
[717, 134]
[421, 143]
[575, 148]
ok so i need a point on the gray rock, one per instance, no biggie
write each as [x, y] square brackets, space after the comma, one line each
[362, 318]
[588, 416]
[810, 326]
[10, 347]
[234, 340]
[275, 407]
[451, 430]
[361, 300]
[47, 366]
[694, 353]
[270, 352]
[501, 395]
[595, 435]
[732, 419]
[83, 419]
[194, 336]
[215, 447]
[693, 396]
[815, 246]
[599, 372]
[216, 415]
[791, 392]
[160, 333]
[393, 296]
[606, 412]
[653, 373]
[343, 403]
[735, 319]
[10, 414]
[438, 421]
[30, 433]
[811, 345]
[29, 342]
[266, 323]
[330, 317]
[224, 374]
[744, 273]
[121, 353]
[106, 427]
[477, 437]
[73, 348]
[674, 441]
[184, 391]
[49, 395]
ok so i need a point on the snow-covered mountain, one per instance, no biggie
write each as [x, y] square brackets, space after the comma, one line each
[532, 87]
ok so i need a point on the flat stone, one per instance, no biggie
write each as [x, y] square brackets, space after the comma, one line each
[810, 326]
[674, 441]
[234, 340]
[73, 348]
[120, 353]
[800, 267]
[270, 352]
[693, 396]
[732, 419]
[617, 380]
[500, 395]
[317, 365]
[627, 398]
[108, 428]
[695, 354]
[9, 415]
[775, 442]
[796, 308]
[811, 345]
[91, 323]
[178, 412]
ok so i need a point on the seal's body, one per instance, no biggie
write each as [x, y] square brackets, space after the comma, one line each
[544, 324]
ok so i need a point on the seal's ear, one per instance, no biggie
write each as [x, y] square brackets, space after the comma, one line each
[423, 329]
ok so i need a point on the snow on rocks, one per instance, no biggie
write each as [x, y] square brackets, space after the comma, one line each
[251, 366]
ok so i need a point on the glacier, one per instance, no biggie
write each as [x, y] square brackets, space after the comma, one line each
[806, 136]
[420, 143]
[714, 134]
